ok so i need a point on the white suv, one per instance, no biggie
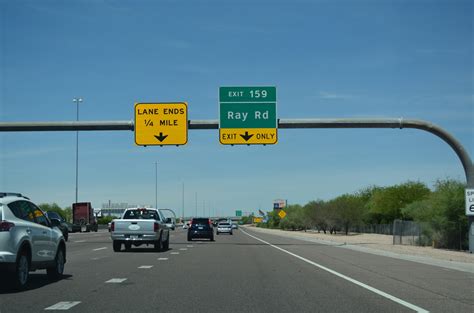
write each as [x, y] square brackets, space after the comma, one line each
[29, 241]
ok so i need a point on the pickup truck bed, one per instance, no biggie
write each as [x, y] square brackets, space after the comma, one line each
[138, 227]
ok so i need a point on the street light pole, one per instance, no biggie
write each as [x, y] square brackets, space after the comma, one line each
[77, 101]
[182, 199]
[156, 185]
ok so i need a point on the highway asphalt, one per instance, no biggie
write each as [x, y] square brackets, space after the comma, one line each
[246, 272]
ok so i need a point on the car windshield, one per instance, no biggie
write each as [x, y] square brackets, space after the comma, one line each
[224, 224]
[141, 214]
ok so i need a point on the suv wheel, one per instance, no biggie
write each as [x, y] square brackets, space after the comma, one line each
[57, 271]
[190, 238]
[22, 271]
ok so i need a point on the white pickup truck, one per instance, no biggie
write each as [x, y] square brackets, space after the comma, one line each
[140, 226]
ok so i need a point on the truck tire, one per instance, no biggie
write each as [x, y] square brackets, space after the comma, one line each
[117, 246]
[157, 245]
[166, 244]
[128, 246]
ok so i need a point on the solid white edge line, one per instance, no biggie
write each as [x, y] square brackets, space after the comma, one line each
[64, 305]
[358, 283]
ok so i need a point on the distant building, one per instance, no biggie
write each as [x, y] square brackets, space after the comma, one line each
[115, 209]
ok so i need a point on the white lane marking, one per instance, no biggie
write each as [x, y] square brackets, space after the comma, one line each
[80, 241]
[64, 305]
[356, 282]
[183, 249]
[146, 266]
[116, 280]
[162, 259]
[174, 252]
[103, 248]
[190, 246]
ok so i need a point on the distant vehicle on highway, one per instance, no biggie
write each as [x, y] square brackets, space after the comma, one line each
[201, 228]
[235, 225]
[224, 227]
[140, 226]
[83, 217]
[29, 241]
[186, 224]
[63, 225]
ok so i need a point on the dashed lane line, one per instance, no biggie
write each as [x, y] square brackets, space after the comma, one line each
[356, 282]
[103, 248]
[115, 280]
[183, 249]
[64, 305]
[145, 266]
[162, 259]
[175, 253]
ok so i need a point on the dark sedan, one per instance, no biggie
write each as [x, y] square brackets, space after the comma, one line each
[63, 226]
[201, 228]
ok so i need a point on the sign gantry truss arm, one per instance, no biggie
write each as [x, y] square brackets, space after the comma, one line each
[282, 124]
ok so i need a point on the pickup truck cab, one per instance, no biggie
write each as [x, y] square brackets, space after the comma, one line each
[140, 226]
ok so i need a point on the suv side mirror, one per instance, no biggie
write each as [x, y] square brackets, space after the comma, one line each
[168, 220]
[55, 222]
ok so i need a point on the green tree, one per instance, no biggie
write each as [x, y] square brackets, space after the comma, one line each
[348, 210]
[386, 203]
[444, 212]
[52, 207]
[294, 219]
[317, 214]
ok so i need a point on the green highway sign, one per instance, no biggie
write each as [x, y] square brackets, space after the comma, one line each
[247, 115]
[238, 213]
[247, 94]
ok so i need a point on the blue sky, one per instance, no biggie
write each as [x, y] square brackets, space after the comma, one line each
[327, 59]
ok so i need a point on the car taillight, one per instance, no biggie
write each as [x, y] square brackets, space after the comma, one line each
[6, 226]
[112, 226]
[156, 227]
[210, 223]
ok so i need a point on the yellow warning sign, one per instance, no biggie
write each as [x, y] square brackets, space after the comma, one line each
[160, 124]
[282, 214]
[257, 220]
[248, 136]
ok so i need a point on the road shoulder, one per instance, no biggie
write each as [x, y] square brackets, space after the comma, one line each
[378, 245]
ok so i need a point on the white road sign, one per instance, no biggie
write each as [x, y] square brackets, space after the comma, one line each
[469, 201]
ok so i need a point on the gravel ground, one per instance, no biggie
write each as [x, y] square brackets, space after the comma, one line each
[378, 242]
